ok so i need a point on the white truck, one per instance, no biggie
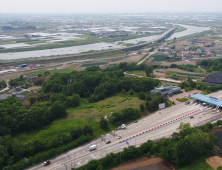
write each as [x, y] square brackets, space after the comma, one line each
[93, 147]
[123, 126]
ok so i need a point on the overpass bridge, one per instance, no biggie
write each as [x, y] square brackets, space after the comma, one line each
[42, 59]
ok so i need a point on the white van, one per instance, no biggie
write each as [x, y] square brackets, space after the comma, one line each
[93, 147]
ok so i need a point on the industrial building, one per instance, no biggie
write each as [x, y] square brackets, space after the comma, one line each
[167, 90]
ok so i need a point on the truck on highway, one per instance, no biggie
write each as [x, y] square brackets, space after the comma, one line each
[93, 147]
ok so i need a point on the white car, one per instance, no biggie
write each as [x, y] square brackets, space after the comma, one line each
[118, 137]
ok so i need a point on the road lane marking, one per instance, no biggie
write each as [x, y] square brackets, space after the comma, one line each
[154, 131]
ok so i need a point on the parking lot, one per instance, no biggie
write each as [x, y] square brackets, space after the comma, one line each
[183, 95]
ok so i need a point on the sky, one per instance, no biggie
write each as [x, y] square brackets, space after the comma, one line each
[109, 6]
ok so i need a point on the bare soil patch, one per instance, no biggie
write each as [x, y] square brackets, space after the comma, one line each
[134, 58]
[214, 161]
[182, 71]
[144, 163]
[34, 88]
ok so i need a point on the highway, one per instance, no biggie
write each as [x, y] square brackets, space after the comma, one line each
[157, 125]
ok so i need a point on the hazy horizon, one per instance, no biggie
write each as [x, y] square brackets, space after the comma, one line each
[110, 6]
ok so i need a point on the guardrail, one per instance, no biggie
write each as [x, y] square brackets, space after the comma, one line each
[166, 123]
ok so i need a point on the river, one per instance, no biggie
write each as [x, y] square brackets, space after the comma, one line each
[189, 30]
[58, 51]
[97, 46]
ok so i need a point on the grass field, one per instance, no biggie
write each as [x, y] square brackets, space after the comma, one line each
[140, 73]
[182, 99]
[215, 38]
[199, 164]
[93, 64]
[90, 113]
[184, 74]
[170, 72]
[65, 70]
[33, 42]
[4, 43]
[160, 58]
[197, 75]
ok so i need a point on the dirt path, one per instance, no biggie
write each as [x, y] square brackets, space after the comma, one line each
[214, 161]
[145, 163]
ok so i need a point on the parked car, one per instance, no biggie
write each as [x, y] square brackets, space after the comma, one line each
[187, 102]
[136, 121]
[191, 117]
[118, 137]
[46, 163]
[108, 142]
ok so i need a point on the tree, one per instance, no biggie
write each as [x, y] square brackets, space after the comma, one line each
[142, 96]
[87, 129]
[123, 91]
[75, 100]
[142, 108]
[93, 165]
[57, 110]
[185, 129]
[219, 168]
[149, 70]
[103, 123]
[76, 133]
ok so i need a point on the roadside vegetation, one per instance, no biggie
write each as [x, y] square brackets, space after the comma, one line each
[184, 149]
[182, 99]
[67, 104]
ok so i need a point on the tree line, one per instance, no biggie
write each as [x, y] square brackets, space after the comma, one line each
[191, 85]
[211, 65]
[3, 84]
[12, 151]
[15, 118]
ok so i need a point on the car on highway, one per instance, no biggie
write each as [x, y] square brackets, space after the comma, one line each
[46, 163]
[118, 137]
[136, 121]
[108, 142]
[191, 117]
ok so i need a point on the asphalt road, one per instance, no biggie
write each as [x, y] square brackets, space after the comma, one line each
[82, 155]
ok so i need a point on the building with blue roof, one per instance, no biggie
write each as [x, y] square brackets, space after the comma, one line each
[207, 99]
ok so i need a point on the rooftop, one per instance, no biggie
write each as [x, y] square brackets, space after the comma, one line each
[207, 99]
[166, 86]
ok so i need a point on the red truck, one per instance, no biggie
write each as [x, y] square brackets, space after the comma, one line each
[46, 163]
